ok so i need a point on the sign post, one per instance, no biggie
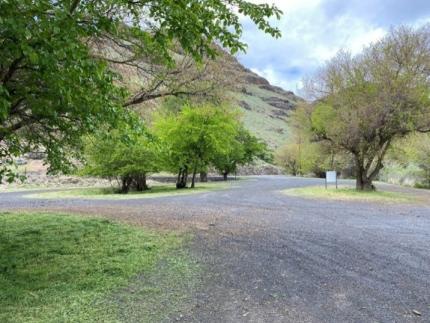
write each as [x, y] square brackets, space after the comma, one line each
[330, 177]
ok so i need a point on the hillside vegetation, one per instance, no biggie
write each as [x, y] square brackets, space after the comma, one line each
[265, 107]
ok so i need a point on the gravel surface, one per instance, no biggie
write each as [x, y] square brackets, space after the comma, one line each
[276, 258]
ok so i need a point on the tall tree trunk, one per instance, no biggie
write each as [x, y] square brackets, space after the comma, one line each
[203, 177]
[363, 181]
[183, 178]
[225, 176]
[364, 184]
[193, 180]
[140, 182]
[125, 184]
[178, 179]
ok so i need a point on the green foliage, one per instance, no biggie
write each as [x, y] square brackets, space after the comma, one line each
[374, 98]
[323, 119]
[299, 158]
[51, 90]
[243, 149]
[128, 153]
[409, 161]
[304, 156]
[54, 88]
[68, 268]
[191, 138]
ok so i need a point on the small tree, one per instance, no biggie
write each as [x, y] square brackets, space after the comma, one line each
[193, 137]
[126, 154]
[244, 148]
[301, 155]
[367, 101]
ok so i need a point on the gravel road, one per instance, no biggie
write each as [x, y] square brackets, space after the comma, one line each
[276, 258]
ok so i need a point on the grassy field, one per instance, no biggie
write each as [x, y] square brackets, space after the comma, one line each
[158, 190]
[64, 268]
[349, 194]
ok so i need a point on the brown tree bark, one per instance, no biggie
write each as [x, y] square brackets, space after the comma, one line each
[140, 182]
[193, 179]
[225, 176]
[182, 178]
[363, 180]
[203, 177]
[126, 181]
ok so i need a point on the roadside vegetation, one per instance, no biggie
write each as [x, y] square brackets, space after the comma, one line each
[59, 82]
[350, 194]
[363, 108]
[156, 190]
[57, 267]
[190, 141]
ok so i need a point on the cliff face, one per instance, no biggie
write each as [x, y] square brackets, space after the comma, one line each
[265, 107]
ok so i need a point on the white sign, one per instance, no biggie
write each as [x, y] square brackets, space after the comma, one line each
[331, 176]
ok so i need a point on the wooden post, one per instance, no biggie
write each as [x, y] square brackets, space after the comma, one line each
[336, 180]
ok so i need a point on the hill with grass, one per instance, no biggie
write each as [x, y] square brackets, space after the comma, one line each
[265, 107]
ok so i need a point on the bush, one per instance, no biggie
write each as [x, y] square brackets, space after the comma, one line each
[127, 154]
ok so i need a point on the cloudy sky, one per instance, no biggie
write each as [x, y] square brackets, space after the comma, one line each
[314, 30]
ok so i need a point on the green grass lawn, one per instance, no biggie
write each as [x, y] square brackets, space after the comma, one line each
[65, 268]
[348, 194]
[158, 190]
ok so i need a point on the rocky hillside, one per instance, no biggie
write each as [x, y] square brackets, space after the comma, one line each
[265, 107]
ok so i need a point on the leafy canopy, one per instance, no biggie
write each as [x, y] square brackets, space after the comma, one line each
[128, 153]
[243, 149]
[53, 88]
[193, 137]
[367, 101]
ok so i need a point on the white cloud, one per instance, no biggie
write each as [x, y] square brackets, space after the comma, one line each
[274, 77]
[314, 30]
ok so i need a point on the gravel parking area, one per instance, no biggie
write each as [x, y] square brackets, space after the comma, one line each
[270, 257]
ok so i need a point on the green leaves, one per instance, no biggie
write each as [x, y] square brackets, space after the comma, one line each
[374, 98]
[53, 89]
[323, 119]
[125, 151]
[192, 138]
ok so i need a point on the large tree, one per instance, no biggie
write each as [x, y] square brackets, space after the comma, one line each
[366, 101]
[193, 138]
[56, 84]
[127, 154]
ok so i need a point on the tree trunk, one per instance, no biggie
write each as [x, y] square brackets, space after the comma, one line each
[193, 180]
[182, 178]
[178, 179]
[364, 184]
[363, 181]
[140, 182]
[225, 176]
[125, 184]
[203, 177]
